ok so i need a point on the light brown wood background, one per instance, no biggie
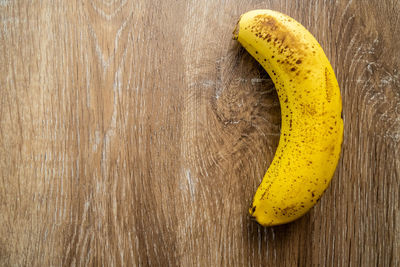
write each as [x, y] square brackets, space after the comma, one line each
[135, 133]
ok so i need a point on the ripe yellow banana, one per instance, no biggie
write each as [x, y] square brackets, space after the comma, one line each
[312, 126]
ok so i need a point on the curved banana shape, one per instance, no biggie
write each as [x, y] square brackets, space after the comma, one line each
[312, 127]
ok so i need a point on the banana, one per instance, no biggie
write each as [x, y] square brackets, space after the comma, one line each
[312, 126]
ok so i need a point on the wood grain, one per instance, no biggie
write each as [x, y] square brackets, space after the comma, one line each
[134, 133]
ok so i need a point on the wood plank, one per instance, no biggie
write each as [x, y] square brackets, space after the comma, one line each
[135, 133]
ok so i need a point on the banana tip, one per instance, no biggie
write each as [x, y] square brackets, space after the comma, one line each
[236, 30]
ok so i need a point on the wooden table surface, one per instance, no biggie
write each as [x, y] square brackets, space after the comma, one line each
[135, 133]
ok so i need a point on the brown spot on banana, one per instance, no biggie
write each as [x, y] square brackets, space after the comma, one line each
[329, 87]
[266, 25]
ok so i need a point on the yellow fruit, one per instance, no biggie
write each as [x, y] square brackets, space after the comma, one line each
[312, 127]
